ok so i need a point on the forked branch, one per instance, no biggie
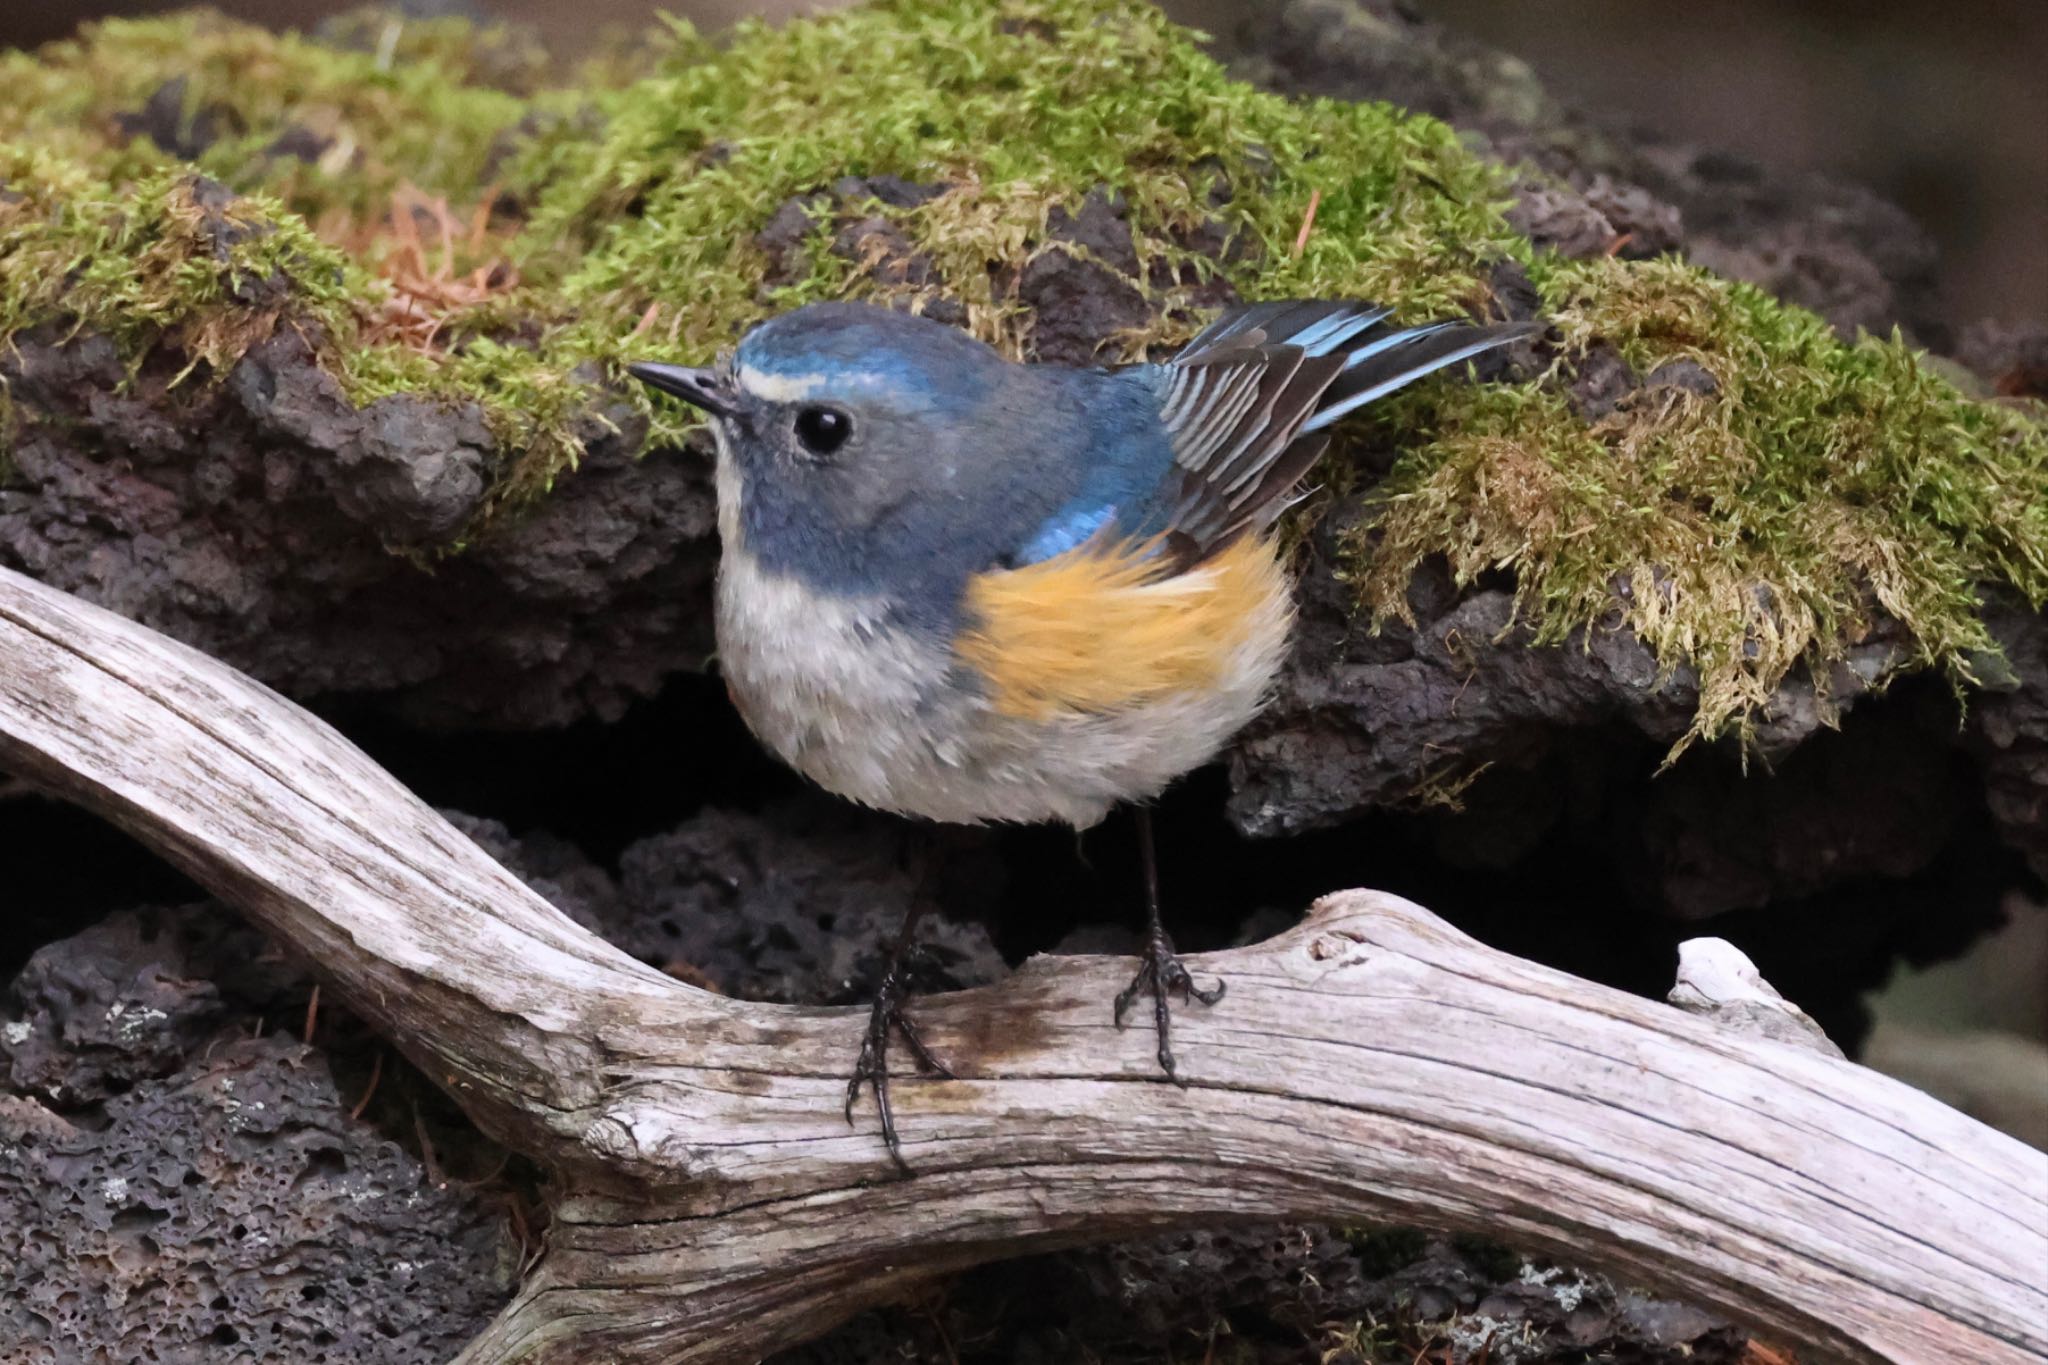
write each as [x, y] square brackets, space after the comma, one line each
[1371, 1064]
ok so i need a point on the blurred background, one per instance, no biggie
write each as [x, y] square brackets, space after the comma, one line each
[1941, 109]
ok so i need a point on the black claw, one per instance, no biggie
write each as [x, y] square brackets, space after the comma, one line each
[1162, 974]
[872, 1069]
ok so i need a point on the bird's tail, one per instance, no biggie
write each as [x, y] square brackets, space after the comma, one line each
[1378, 364]
[1378, 357]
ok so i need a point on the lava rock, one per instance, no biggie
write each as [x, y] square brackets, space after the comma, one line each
[1083, 297]
[415, 473]
[1363, 720]
[175, 1189]
[892, 260]
[2008, 730]
[2012, 356]
[127, 1000]
[164, 120]
[254, 520]
[232, 1210]
[1280, 1295]
[799, 904]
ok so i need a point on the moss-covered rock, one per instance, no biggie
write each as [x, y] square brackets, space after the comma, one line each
[443, 223]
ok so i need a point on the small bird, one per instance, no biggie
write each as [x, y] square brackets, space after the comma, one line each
[966, 589]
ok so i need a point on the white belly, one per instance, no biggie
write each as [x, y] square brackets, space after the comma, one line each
[882, 717]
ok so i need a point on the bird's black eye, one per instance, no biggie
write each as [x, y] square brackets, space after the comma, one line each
[822, 430]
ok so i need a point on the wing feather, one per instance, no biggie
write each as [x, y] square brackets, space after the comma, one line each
[1246, 410]
[1248, 403]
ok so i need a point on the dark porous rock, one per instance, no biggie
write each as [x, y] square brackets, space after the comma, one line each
[174, 1189]
[298, 143]
[255, 520]
[798, 905]
[1603, 381]
[233, 1210]
[1882, 808]
[1364, 720]
[1854, 258]
[1458, 709]
[1082, 288]
[1560, 218]
[1463, 716]
[1516, 299]
[415, 473]
[894, 262]
[857, 234]
[892, 190]
[784, 235]
[2008, 730]
[1281, 1295]
[127, 1000]
[1605, 218]
[1689, 375]
[166, 121]
[222, 229]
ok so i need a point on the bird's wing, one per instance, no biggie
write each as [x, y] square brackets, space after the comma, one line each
[1232, 424]
[1247, 406]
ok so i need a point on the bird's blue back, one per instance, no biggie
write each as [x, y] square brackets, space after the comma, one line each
[1121, 457]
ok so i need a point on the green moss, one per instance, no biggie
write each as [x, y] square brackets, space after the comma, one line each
[328, 130]
[1752, 531]
[1747, 532]
[150, 259]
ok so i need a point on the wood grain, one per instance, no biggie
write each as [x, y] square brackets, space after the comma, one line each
[1372, 1064]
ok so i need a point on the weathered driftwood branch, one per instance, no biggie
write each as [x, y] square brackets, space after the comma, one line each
[1717, 981]
[1372, 1064]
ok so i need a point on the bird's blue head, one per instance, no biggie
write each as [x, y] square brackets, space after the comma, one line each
[863, 449]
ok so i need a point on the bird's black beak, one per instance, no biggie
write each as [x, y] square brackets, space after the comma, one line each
[706, 389]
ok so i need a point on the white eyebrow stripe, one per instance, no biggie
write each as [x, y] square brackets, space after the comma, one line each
[778, 388]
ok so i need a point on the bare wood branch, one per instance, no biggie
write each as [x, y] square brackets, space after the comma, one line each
[1374, 1063]
[1717, 981]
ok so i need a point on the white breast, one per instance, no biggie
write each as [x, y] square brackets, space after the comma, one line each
[885, 717]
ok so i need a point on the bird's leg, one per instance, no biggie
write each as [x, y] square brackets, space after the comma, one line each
[1160, 970]
[887, 1013]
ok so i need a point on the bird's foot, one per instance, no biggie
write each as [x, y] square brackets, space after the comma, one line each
[1161, 972]
[872, 1070]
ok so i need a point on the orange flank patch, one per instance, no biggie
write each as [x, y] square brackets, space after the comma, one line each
[1096, 629]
